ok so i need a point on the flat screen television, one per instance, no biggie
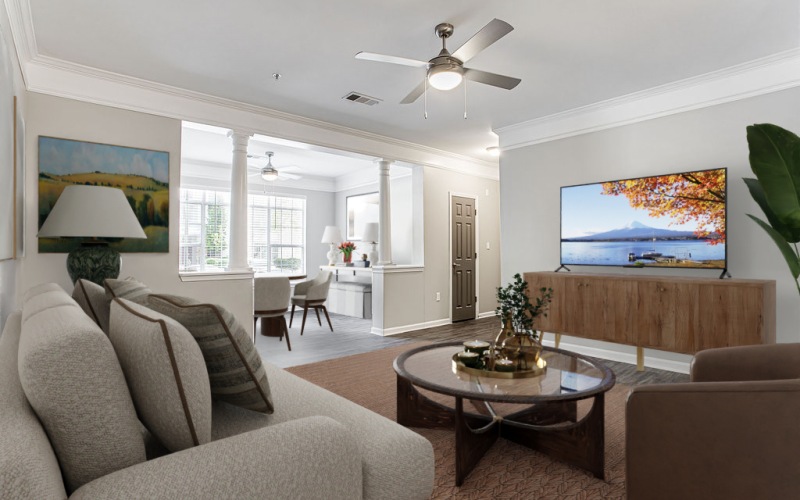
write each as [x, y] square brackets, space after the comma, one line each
[674, 220]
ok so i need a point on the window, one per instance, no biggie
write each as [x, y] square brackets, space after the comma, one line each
[205, 219]
[275, 236]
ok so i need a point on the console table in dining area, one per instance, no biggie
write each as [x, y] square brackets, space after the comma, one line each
[350, 293]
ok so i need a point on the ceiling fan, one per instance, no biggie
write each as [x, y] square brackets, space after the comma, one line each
[269, 173]
[446, 70]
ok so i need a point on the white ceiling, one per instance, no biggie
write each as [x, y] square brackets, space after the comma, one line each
[569, 53]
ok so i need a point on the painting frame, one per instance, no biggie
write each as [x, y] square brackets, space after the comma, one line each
[8, 184]
[361, 209]
[19, 181]
[142, 174]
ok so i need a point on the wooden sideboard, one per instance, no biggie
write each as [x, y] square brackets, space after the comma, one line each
[679, 314]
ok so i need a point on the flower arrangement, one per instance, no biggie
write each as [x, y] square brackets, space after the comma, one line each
[347, 247]
[514, 304]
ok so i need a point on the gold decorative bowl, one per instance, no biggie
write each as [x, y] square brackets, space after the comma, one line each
[458, 366]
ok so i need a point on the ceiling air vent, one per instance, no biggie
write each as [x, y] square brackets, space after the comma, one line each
[361, 98]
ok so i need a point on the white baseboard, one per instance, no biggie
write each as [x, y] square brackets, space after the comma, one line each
[623, 357]
[385, 332]
[487, 314]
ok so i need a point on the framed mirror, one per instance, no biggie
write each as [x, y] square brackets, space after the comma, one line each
[361, 209]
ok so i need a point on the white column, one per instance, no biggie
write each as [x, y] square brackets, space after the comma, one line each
[237, 247]
[385, 211]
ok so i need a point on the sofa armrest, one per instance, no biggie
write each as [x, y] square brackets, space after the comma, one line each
[755, 362]
[713, 440]
[312, 457]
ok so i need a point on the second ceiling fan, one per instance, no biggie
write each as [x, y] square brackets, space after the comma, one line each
[446, 70]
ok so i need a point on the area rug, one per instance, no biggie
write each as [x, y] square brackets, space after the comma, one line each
[508, 470]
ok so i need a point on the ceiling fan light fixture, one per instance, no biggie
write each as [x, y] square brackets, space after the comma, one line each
[445, 76]
[269, 174]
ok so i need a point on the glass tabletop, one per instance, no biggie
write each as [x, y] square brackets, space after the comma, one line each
[568, 376]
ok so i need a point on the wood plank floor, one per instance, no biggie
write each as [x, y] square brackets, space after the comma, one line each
[352, 336]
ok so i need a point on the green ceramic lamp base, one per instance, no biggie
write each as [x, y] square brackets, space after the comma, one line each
[93, 262]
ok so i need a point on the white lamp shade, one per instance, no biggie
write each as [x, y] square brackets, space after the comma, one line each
[370, 232]
[92, 211]
[445, 76]
[331, 235]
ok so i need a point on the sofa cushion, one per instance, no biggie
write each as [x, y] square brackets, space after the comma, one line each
[72, 379]
[234, 366]
[93, 300]
[128, 288]
[38, 289]
[47, 299]
[166, 374]
[28, 465]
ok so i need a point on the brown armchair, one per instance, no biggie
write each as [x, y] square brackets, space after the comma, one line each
[732, 432]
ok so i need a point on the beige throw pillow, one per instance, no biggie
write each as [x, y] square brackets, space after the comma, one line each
[234, 366]
[128, 288]
[93, 300]
[165, 372]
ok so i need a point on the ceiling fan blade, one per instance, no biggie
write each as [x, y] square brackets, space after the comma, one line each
[493, 79]
[291, 177]
[492, 32]
[414, 94]
[370, 56]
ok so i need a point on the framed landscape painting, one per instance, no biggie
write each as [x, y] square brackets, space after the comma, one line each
[142, 174]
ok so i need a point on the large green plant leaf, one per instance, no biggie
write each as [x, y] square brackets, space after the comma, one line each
[775, 159]
[789, 233]
[791, 257]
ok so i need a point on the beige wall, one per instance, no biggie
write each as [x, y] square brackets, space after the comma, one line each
[70, 119]
[712, 137]
[438, 185]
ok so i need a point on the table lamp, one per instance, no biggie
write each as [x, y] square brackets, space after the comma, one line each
[92, 212]
[333, 236]
[371, 236]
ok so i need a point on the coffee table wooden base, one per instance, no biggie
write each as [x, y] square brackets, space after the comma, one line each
[551, 428]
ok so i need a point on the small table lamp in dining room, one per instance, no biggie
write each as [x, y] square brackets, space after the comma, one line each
[371, 236]
[94, 212]
[333, 236]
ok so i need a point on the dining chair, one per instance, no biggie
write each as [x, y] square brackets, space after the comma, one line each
[270, 303]
[312, 294]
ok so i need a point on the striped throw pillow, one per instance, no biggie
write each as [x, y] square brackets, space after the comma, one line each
[235, 370]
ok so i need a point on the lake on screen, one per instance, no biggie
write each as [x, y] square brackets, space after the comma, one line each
[615, 253]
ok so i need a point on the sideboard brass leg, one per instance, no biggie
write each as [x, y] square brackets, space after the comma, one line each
[639, 359]
[558, 340]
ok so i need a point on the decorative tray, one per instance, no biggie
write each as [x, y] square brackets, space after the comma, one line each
[458, 366]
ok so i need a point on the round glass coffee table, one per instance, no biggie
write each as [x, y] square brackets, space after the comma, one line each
[548, 421]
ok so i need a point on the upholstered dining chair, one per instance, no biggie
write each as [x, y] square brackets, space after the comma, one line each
[732, 432]
[270, 303]
[312, 294]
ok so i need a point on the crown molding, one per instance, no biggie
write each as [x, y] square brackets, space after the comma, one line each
[60, 78]
[761, 76]
[19, 19]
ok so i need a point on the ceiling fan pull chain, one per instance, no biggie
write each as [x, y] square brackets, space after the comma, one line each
[426, 98]
[465, 98]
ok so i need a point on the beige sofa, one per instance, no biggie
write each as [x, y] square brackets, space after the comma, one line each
[69, 427]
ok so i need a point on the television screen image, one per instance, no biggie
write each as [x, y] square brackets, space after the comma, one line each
[675, 220]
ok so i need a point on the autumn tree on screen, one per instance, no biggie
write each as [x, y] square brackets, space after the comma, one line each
[693, 196]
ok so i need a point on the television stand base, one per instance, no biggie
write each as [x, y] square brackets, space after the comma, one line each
[724, 274]
[562, 266]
